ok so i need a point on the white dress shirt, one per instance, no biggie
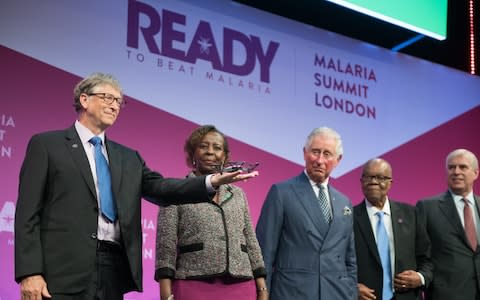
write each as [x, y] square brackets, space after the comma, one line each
[387, 220]
[106, 230]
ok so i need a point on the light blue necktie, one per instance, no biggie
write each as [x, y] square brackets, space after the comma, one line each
[383, 245]
[322, 198]
[107, 205]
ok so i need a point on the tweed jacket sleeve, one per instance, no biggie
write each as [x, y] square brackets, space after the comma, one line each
[253, 248]
[166, 243]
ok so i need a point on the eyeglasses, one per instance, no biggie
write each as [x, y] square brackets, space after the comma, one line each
[377, 178]
[109, 98]
[234, 166]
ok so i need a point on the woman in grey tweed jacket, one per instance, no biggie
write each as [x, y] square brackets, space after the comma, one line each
[209, 249]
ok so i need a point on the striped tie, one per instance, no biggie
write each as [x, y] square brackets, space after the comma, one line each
[324, 203]
[469, 225]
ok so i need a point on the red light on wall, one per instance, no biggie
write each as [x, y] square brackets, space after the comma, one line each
[472, 37]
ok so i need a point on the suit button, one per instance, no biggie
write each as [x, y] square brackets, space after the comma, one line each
[93, 236]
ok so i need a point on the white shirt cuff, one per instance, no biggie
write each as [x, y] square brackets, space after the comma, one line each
[421, 278]
[208, 184]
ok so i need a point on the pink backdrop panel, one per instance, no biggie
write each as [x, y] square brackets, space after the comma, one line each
[38, 97]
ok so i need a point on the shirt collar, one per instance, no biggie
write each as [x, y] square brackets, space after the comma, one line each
[85, 134]
[315, 184]
[458, 198]
[373, 209]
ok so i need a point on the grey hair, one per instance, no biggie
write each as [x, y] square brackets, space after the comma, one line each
[89, 83]
[328, 132]
[463, 152]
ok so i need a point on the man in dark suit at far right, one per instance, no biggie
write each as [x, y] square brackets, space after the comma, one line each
[451, 220]
[405, 267]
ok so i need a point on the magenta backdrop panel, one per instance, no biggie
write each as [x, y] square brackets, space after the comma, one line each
[38, 97]
[419, 165]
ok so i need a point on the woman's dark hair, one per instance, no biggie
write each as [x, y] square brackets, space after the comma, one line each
[194, 139]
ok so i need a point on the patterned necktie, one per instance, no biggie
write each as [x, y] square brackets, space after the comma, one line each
[324, 203]
[469, 225]
[383, 245]
[107, 205]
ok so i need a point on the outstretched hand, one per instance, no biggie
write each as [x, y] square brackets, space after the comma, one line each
[225, 178]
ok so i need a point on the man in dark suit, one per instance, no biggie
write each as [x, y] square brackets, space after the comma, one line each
[306, 237]
[409, 267]
[451, 221]
[66, 245]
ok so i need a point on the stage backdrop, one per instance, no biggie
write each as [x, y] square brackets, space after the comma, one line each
[265, 81]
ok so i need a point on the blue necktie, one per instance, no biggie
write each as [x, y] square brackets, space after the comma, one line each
[107, 205]
[383, 245]
[324, 203]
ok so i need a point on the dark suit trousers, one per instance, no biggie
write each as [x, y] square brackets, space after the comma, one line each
[110, 279]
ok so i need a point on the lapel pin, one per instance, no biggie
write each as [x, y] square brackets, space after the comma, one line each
[347, 211]
[75, 146]
[400, 220]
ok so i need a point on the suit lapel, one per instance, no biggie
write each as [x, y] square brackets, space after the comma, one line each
[448, 208]
[115, 165]
[477, 205]
[398, 218]
[309, 202]
[74, 145]
[337, 206]
[335, 227]
[365, 227]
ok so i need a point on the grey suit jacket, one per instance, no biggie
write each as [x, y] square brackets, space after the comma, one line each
[456, 273]
[57, 211]
[206, 240]
[412, 248]
[305, 257]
